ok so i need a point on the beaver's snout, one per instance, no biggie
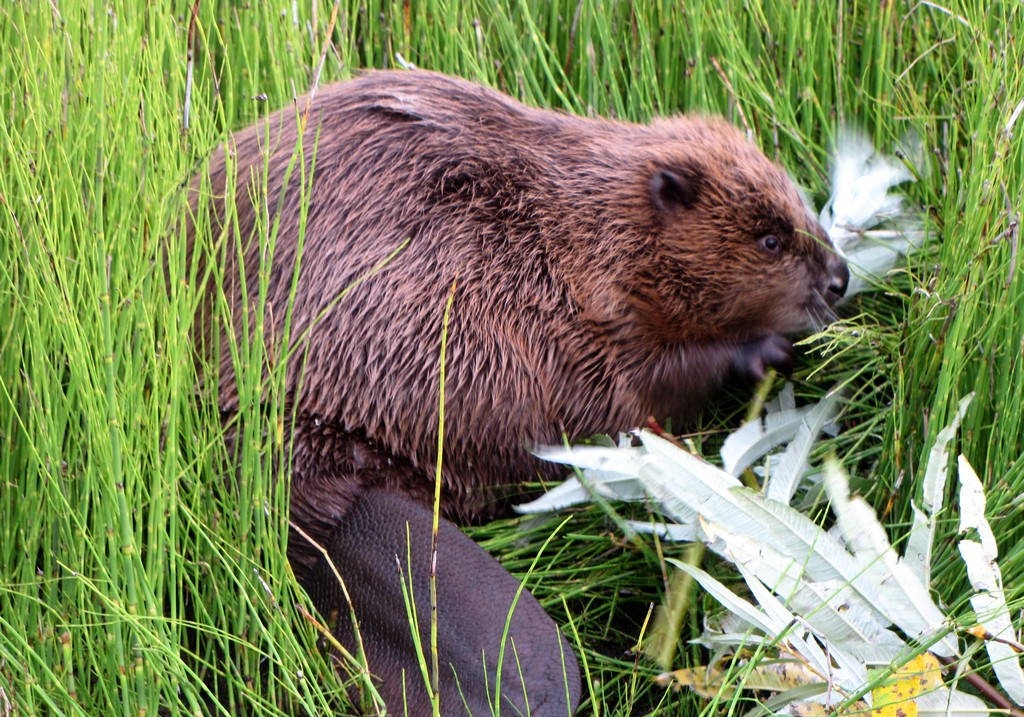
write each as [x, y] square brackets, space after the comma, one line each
[838, 277]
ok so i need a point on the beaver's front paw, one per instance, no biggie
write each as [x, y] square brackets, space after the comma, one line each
[754, 358]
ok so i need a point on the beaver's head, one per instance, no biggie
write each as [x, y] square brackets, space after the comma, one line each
[732, 250]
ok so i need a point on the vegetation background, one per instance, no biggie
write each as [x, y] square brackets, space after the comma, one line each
[135, 579]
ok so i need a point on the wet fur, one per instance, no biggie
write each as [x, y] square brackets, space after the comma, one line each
[604, 272]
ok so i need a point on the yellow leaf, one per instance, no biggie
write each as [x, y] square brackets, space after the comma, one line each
[768, 676]
[897, 696]
[705, 681]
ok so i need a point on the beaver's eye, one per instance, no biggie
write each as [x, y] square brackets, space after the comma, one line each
[770, 243]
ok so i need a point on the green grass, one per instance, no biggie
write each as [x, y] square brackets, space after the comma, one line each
[135, 578]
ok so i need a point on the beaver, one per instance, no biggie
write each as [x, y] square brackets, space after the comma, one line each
[600, 272]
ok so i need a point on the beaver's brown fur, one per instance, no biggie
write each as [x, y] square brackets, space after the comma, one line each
[603, 272]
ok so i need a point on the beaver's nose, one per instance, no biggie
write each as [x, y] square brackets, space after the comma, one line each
[838, 277]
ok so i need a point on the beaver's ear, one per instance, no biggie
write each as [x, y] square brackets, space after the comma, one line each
[676, 188]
